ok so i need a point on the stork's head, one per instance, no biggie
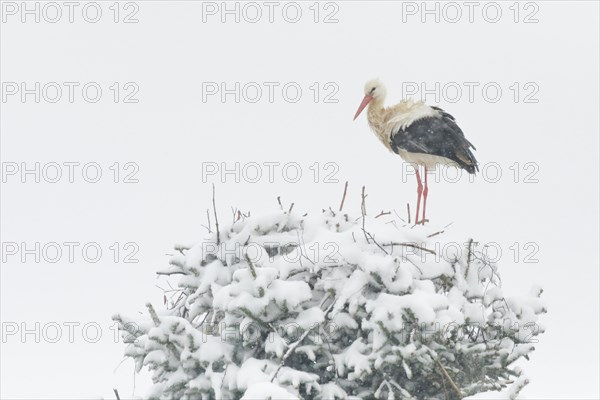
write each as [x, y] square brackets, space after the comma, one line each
[374, 92]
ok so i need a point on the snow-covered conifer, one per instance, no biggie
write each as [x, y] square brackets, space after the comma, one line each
[332, 306]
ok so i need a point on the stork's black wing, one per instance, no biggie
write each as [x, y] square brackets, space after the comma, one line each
[438, 135]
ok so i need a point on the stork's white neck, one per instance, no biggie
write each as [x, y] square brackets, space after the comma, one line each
[376, 118]
[377, 102]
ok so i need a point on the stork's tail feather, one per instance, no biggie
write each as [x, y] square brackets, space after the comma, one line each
[472, 169]
[467, 161]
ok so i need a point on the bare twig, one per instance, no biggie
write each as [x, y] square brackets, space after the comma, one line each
[363, 210]
[435, 234]
[399, 217]
[204, 319]
[296, 344]
[440, 231]
[414, 246]
[300, 247]
[208, 217]
[279, 201]
[421, 222]
[469, 254]
[408, 212]
[393, 223]
[382, 213]
[117, 394]
[216, 218]
[224, 374]
[289, 353]
[344, 196]
[444, 386]
[404, 258]
[374, 241]
[290, 209]
[456, 389]
[363, 206]
[169, 273]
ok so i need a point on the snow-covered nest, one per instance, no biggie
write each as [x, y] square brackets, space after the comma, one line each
[328, 306]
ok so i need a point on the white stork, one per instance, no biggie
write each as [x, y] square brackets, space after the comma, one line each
[420, 134]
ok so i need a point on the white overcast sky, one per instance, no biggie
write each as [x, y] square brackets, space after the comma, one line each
[545, 120]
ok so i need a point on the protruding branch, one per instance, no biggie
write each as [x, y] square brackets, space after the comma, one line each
[153, 314]
[469, 254]
[368, 235]
[363, 206]
[382, 213]
[435, 234]
[344, 196]
[363, 210]
[156, 321]
[208, 228]
[456, 388]
[169, 273]
[414, 246]
[251, 266]
[296, 344]
[216, 218]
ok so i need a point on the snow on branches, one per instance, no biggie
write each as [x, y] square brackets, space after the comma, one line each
[325, 306]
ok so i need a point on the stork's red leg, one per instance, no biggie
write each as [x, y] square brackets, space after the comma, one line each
[419, 192]
[425, 191]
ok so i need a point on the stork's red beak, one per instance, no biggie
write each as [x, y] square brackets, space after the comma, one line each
[362, 106]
